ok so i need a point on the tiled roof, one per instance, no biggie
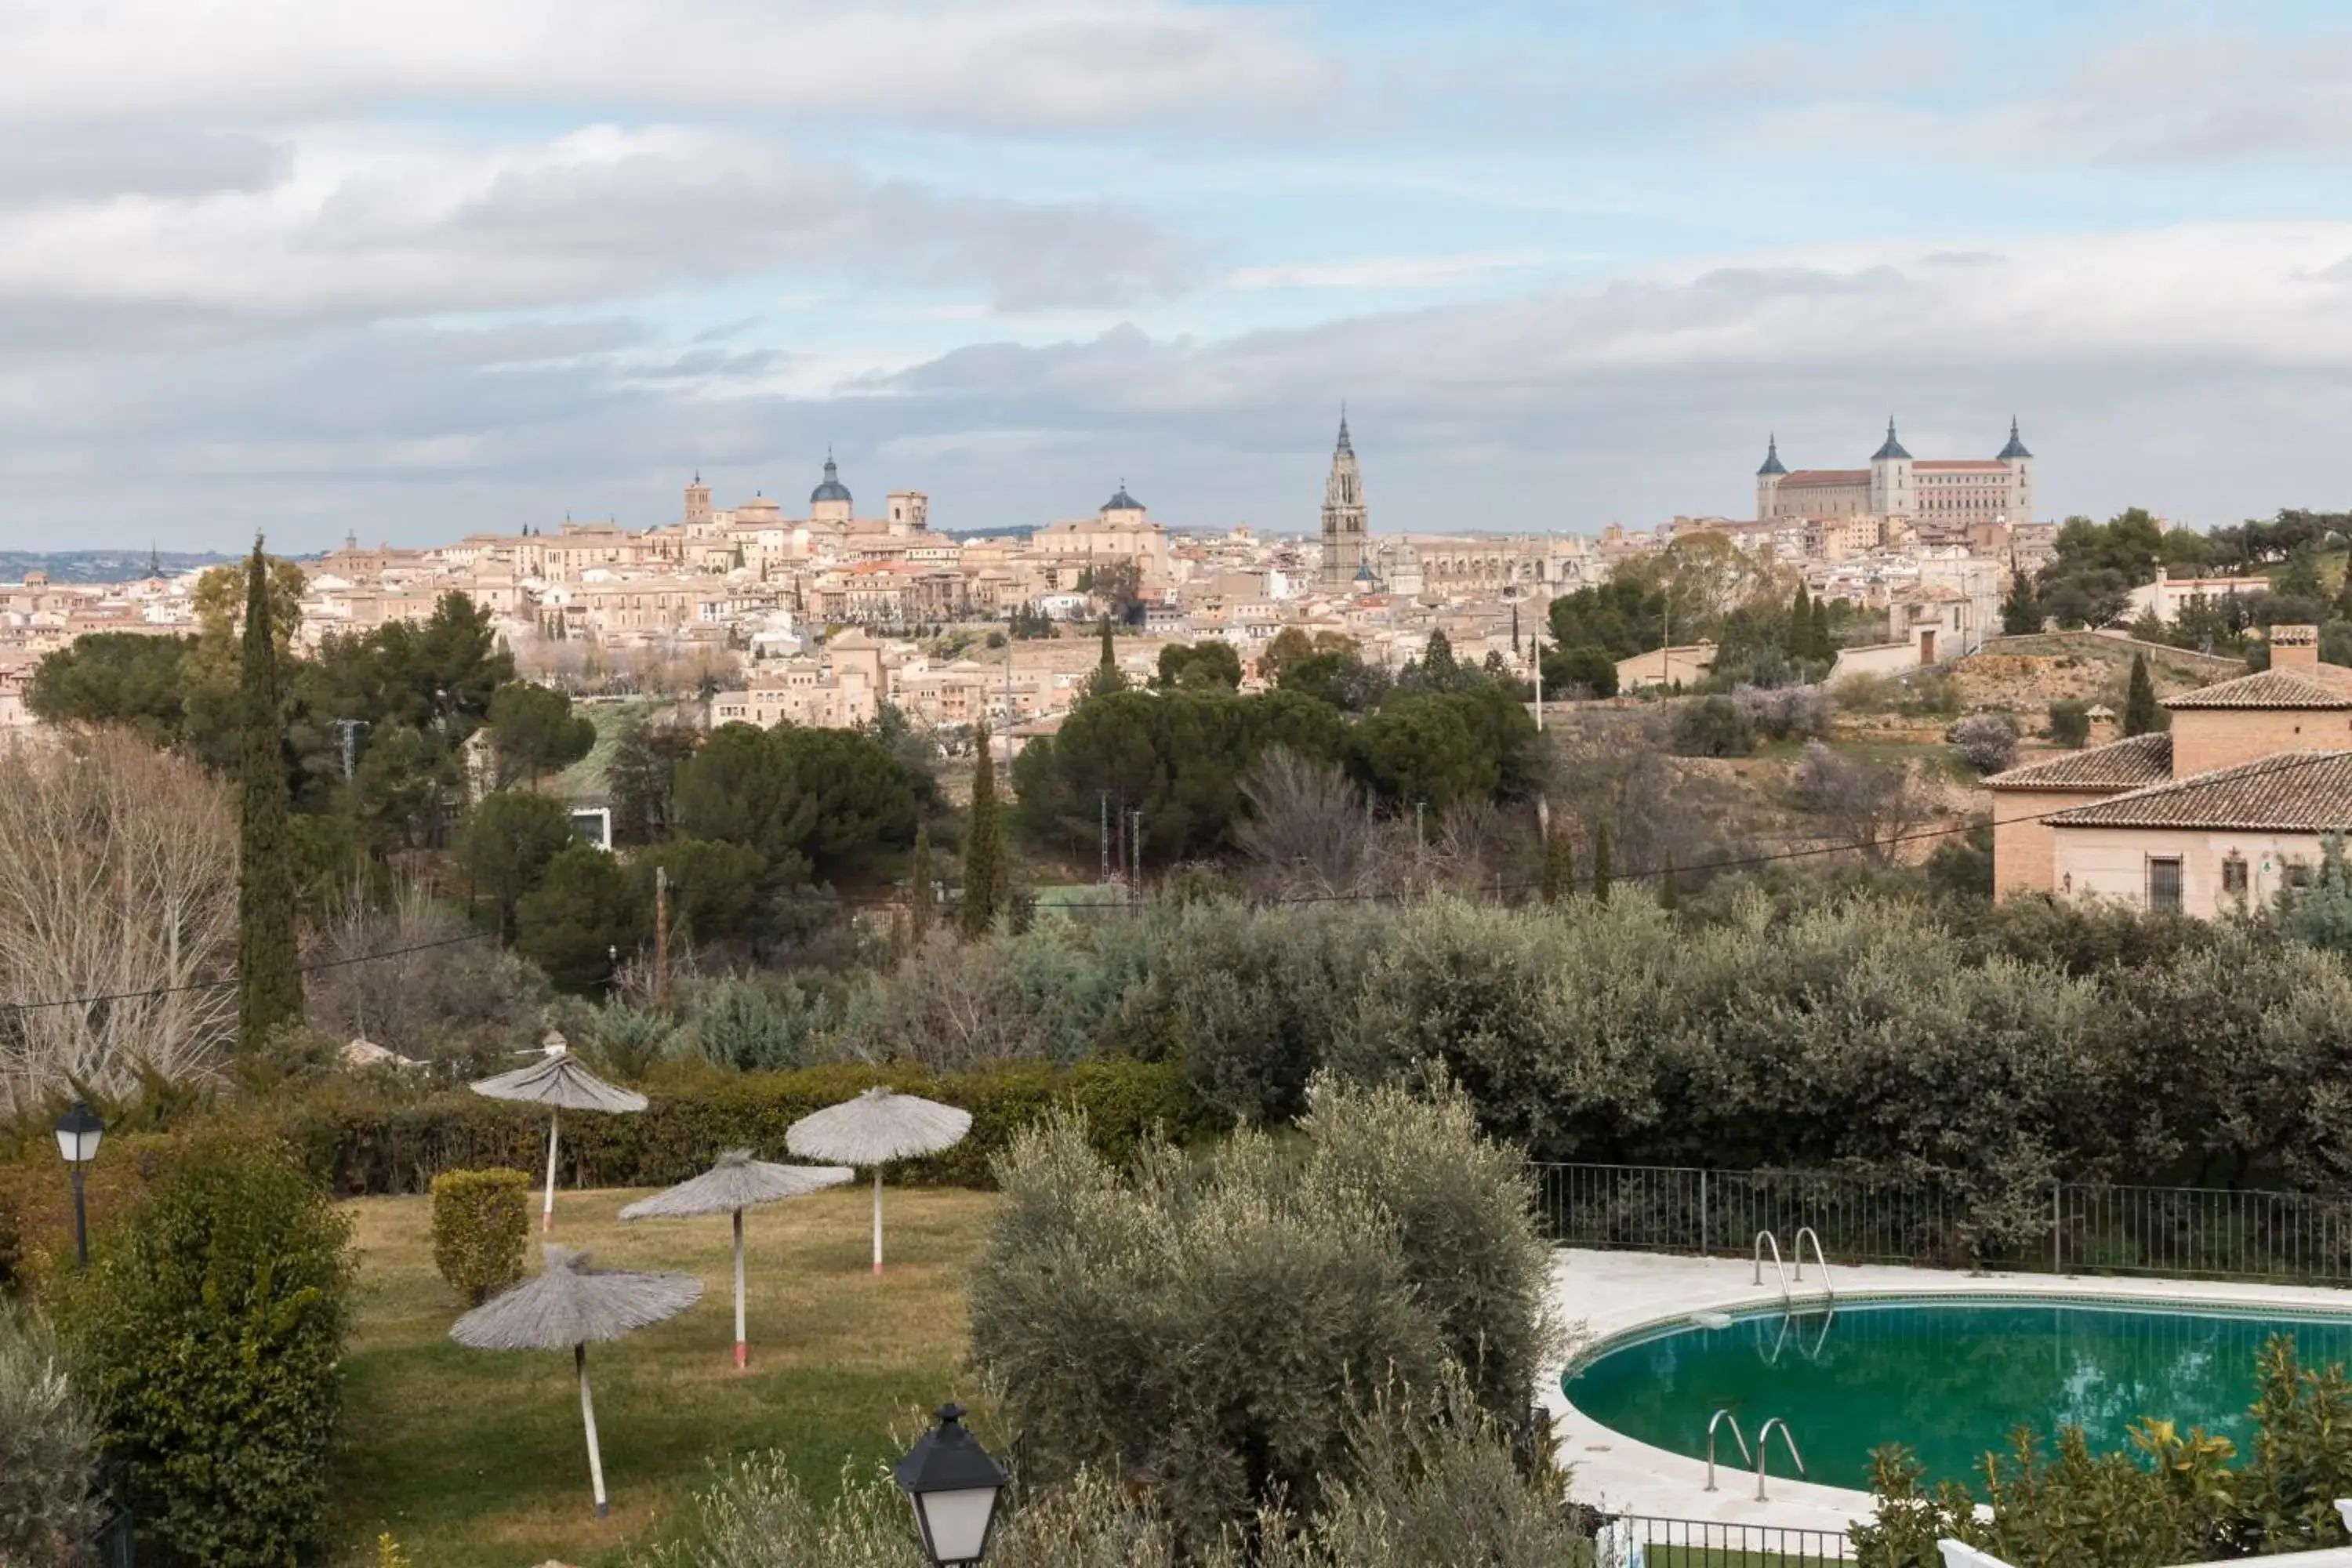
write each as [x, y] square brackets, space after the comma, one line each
[2135, 764]
[2293, 792]
[1972, 465]
[1802, 478]
[2268, 688]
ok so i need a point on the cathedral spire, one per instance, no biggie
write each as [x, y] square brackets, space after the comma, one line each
[1344, 445]
[1772, 464]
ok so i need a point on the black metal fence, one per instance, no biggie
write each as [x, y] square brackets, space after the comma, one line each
[1642, 1540]
[2072, 1228]
[110, 1545]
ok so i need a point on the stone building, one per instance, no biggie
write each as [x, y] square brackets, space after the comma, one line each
[1944, 497]
[1343, 516]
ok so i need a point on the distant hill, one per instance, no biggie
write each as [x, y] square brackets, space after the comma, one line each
[100, 565]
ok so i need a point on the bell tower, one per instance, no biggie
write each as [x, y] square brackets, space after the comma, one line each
[1343, 516]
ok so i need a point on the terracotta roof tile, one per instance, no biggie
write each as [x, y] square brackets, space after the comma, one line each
[2268, 688]
[2133, 763]
[2293, 792]
[1806, 478]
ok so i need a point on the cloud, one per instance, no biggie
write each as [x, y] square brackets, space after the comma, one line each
[1384, 273]
[380, 223]
[94, 162]
[999, 63]
[2200, 370]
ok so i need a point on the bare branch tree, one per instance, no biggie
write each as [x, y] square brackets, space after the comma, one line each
[1870, 806]
[1307, 823]
[118, 883]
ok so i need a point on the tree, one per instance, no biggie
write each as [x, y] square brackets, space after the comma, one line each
[1712, 727]
[1420, 747]
[1439, 671]
[1291, 644]
[2070, 723]
[1800, 628]
[1107, 678]
[741, 788]
[919, 897]
[642, 777]
[115, 678]
[534, 732]
[861, 801]
[1338, 677]
[1987, 741]
[505, 847]
[986, 879]
[1870, 806]
[1211, 663]
[2141, 714]
[2020, 611]
[1824, 644]
[1670, 892]
[268, 991]
[582, 912]
[1601, 866]
[1589, 667]
[1307, 820]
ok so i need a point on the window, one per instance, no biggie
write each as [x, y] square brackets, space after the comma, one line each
[2164, 884]
[2233, 876]
[2298, 874]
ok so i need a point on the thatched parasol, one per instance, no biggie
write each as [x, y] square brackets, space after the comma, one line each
[872, 1130]
[737, 1182]
[569, 1302]
[560, 1084]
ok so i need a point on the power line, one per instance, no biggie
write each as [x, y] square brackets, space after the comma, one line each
[159, 991]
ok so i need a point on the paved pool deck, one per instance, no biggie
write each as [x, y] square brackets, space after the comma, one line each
[1600, 1294]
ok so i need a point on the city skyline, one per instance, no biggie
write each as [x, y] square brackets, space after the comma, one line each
[1565, 265]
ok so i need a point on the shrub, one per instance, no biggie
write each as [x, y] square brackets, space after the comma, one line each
[210, 1325]
[751, 1025]
[1208, 1324]
[1986, 742]
[47, 1439]
[481, 1228]
[1785, 712]
[1712, 727]
[2070, 724]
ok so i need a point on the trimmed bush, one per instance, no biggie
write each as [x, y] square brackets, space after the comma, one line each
[210, 1329]
[363, 1147]
[481, 1227]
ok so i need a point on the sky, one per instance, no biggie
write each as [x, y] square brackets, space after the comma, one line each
[313, 268]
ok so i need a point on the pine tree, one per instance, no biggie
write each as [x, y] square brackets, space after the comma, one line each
[268, 991]
[1558, 869]
[1823, 648]
[919, 898]
[2020, 611]
[1600, 862]
[1670, 891]
[1801, 625]
[2141, 715]
[985, 877]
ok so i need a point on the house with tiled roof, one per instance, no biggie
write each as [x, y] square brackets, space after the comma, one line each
[2217, 814]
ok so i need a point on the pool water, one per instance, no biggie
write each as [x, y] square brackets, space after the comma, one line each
[1953, 1380]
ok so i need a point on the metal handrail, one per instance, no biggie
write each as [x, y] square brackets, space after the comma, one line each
[1821, 1340]
[1765, 1239]
[1799, 1249]
[1746, 1456]
[1764, 1451]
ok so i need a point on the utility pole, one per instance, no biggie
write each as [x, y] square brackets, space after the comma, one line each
[661, 938]
[1421, 823]
[348, 728]
[1102, 831]
[1135, 853]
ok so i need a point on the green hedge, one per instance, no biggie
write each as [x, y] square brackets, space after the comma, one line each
[365, 1149]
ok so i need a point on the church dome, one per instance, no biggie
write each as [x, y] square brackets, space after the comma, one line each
[1892, 449]
[1122, 501]
[1772, 464]
[2016, 449]
[832, 488]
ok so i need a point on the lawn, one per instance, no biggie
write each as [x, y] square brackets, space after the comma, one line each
[471, 1457]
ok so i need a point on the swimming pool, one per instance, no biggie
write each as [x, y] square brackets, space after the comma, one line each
[1951, 1376]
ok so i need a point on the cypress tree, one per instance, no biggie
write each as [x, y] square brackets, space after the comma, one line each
[1105, 678]
[1600, 862]
[269, 990]
[1801, 625]
[918, 900]
[2141, 715]
[1670, 892]
[1822, 648]
[2020, 611]
[1558, 869]
[983, 854]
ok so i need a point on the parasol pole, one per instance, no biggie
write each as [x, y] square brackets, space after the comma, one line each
[739, 1357]
[588, 1419]
[547, 1213]
[878, 1219]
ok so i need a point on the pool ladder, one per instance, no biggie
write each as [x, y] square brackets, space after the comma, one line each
[1765, 1239]
[1763, 1452]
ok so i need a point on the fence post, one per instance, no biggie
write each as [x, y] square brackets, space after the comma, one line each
[1702, 1248]
[2057, 1229]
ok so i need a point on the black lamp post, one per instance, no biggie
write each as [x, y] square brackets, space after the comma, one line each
[79, 1131]
[954, 1485]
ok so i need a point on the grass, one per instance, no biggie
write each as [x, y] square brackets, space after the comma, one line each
[471, 1457]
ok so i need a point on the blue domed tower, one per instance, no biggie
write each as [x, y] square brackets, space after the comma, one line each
[829, 502]
[1767, 481]
[1891, 491]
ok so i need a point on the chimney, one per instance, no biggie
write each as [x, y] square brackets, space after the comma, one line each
[2294, 647]
[2105, 725]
